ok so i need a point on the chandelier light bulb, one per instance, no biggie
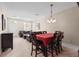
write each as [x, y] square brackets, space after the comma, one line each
[54, 21]
[48, 21]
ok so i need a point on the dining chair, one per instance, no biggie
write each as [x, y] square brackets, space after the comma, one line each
[53, 45]
[37, 44]
[44, 32]
[59, 41]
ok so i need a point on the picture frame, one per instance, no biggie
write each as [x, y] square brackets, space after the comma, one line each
[3, 22]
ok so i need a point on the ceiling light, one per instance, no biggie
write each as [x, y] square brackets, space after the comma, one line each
[51, 19]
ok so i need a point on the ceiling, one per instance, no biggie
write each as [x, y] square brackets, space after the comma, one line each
[34, 9]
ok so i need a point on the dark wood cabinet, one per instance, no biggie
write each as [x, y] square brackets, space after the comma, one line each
[6, 41]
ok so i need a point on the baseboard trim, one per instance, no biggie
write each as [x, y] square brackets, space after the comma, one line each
[71, 46]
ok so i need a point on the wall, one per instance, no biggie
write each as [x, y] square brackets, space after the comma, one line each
[67, 21]
[15, 26]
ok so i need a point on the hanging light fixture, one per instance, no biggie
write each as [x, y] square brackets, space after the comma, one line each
[51, 19]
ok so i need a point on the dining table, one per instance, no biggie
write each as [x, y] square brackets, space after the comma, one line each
[45, 38]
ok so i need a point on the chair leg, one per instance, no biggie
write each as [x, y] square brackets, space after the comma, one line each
[32, 50]
[36, 52]
[56, 51]
[52, 53]
[59, 49]
[52, 50]
[61, 46]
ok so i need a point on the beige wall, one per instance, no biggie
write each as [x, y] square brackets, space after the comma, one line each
[67, 21]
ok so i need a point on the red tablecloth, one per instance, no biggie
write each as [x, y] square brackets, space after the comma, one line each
[45, 38]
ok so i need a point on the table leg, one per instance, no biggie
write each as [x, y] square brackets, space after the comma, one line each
[46, 54]
[44, 49]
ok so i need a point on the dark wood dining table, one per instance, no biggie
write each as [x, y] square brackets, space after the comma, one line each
[45, 38]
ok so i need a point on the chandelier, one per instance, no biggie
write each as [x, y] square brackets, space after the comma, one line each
[51, 19]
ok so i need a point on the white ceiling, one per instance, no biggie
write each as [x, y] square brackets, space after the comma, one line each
[31, 9]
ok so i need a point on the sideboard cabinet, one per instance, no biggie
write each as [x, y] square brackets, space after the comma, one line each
[6, 41]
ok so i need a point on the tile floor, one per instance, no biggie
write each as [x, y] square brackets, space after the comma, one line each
[22, 48]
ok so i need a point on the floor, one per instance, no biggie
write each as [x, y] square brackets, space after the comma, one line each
[22, 48]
